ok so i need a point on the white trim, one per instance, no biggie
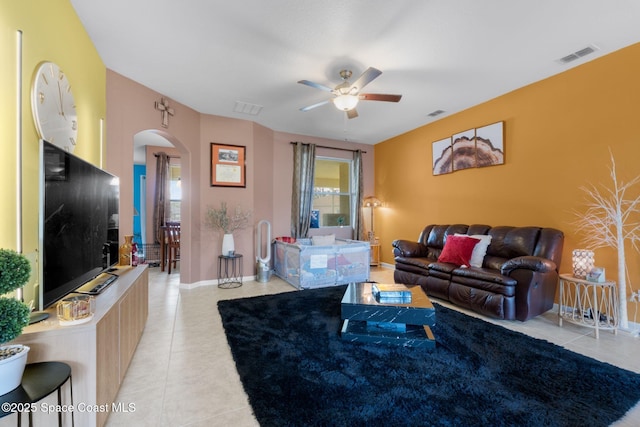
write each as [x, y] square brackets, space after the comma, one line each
[19, 145]
[212, 282]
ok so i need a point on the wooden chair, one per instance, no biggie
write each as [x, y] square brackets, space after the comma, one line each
[173, 244]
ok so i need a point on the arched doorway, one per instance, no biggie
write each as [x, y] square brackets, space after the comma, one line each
[147, 145]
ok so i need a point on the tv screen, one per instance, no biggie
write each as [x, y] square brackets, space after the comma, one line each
[79, 222]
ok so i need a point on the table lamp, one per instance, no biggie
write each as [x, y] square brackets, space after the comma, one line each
[582, 262]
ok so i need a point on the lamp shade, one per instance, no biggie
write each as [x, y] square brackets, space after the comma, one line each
[371, 202]
[345, 102]
[583, 261]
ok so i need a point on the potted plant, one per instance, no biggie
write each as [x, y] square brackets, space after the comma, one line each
[219, 219]
[15, 270]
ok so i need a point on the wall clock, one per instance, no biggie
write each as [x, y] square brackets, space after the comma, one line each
[53, 106]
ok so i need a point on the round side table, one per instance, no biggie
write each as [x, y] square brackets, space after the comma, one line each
[229, 271]
[38, 381]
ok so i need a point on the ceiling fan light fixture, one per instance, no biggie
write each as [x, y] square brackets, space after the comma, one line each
[345, 102]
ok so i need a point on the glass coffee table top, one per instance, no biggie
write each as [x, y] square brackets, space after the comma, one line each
[395, 321]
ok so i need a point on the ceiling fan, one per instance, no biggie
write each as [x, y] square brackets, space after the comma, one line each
[347, 95]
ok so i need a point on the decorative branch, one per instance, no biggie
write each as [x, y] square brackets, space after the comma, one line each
[610, 220]
[221, 220]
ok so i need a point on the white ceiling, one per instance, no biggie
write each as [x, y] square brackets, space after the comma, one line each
[439, 54]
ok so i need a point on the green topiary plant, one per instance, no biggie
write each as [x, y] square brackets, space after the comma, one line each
[15, 271]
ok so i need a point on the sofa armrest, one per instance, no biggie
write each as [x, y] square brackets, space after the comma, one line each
[534, 263]
[406, 248]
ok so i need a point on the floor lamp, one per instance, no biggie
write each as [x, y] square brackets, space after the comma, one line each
[371, 202]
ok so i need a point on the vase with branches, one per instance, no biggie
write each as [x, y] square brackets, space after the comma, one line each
[611, 220]
[227, 222]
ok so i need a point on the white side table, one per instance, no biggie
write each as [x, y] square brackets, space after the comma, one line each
[590, 304]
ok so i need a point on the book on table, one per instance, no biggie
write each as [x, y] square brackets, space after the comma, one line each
[391, 293]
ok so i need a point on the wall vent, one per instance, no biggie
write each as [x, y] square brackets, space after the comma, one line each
[578, 54]
[435, 113]
[247, 108]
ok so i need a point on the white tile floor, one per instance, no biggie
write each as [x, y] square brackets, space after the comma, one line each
[183, 373]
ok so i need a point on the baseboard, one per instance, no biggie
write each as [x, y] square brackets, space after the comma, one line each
[212, 282]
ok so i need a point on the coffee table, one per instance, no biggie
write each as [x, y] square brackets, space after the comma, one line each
[367, 320]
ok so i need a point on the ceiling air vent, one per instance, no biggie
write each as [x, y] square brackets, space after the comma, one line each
[247, 108]
[578, 54]
[435, 113]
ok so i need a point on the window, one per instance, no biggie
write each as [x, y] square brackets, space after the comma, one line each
[175, 193]
[332, 192]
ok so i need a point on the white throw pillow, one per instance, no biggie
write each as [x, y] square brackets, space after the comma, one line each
[480, 250]
[329, 239]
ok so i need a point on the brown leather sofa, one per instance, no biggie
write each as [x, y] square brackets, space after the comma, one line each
[517, 280]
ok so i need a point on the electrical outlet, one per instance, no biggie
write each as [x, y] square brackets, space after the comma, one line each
[635, 297]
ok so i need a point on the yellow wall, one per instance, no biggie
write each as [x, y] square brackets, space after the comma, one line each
[51, 31]
[557, 138]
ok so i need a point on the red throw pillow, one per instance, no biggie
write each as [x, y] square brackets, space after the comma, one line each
[458, 249]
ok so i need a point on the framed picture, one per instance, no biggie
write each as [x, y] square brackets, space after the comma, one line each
[464, 150]
[442, 160]
[228, 167]
[490, 145]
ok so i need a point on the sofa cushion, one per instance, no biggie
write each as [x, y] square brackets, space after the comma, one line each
[413, 264]
[511, 242]
[484, 275]
[434, 236]
[458, 250]
[493, 262]
[442, 267]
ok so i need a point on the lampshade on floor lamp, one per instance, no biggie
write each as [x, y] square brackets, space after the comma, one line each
[371, 202]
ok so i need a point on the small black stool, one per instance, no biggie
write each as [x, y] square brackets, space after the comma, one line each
[38, 381]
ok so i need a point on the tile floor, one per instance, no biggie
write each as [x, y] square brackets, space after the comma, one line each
[183, 374]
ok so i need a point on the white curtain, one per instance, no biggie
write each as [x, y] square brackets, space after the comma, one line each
[304, 159]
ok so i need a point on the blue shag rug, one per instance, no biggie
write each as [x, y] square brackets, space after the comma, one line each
[297, 371]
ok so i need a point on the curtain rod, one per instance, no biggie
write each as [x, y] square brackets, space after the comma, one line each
[332, 148]
[171, 157]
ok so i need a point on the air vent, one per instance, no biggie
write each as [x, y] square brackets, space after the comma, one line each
[578, 54]
[247, 108]
[435, 113]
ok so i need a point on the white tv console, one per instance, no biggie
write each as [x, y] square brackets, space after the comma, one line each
[98, 351]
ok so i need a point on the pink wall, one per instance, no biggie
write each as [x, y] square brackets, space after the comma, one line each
[283, 171]
[269, 163]
[130, 109]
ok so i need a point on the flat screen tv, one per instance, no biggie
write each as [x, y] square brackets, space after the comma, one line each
[78, 222]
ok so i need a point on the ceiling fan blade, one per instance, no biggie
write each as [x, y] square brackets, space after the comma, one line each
[367, 77]
[352, 114]
[310, 107]
[379, 97]
[316, 85]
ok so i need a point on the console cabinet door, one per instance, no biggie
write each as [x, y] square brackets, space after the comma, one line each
[133, 317]
[107, 360]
